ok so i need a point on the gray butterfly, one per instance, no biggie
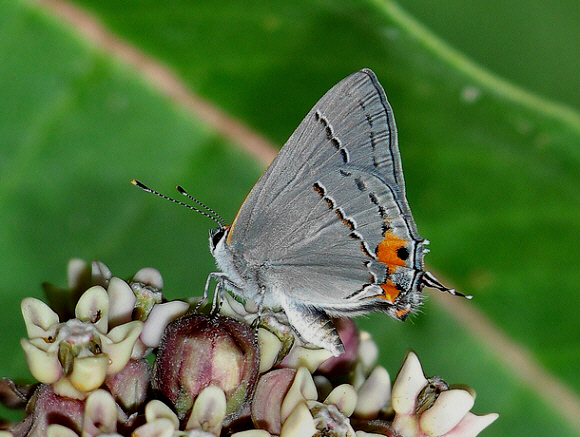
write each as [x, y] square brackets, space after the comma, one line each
[327, 230]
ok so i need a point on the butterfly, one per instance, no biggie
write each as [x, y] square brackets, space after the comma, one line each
[327, 230]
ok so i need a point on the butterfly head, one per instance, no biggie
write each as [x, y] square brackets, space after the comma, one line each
[217, 237]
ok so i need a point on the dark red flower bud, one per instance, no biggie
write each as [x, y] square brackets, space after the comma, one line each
[198, 351]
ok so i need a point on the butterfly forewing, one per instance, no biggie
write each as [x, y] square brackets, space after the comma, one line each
[353, 124]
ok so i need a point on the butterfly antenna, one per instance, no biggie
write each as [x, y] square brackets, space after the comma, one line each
[216, 217]
[203, 205]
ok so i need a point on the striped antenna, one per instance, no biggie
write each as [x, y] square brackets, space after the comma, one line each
[203, 205]
[209, 213]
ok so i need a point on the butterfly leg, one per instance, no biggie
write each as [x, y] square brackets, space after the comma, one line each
[217, 296]
[220, 278]
[203, 299]
[260, 303]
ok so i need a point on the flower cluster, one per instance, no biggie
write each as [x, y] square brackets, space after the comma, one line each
[227, 373]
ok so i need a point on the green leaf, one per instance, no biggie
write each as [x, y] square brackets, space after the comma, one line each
[492, 172]
[531, 43]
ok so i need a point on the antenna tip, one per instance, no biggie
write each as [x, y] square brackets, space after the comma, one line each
[138, 184]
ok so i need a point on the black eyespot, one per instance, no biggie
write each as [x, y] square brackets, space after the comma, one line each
[403, 253]
[215, 235]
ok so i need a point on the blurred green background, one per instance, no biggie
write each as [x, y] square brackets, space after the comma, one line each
[491, 158]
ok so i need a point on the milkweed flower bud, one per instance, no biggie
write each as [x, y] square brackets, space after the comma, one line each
[429, 408]
[198, 351]
[76, 355]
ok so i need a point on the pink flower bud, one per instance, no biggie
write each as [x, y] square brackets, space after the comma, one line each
[198, 351]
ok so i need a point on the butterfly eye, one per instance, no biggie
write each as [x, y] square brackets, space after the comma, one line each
[215, 235]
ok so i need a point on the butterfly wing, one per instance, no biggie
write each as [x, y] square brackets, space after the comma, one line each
[328, 223]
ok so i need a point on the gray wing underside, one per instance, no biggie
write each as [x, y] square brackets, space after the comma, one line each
[285, 222]
[336, 250]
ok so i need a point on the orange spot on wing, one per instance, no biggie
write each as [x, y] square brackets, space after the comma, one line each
[387, 253]
[401, 314]
[387, 250]
[390, 292]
